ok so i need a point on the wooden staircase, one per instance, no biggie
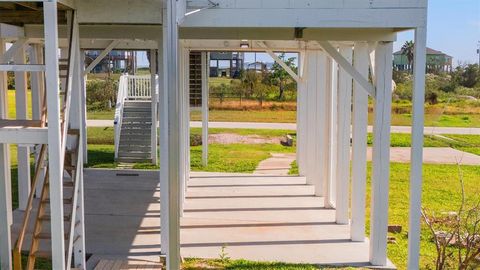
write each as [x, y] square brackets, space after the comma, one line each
[135, 134]
[38, 205]
[41, 229]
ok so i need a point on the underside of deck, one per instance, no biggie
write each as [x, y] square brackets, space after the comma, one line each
[261, 218]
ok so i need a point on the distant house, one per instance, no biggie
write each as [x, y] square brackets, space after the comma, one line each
[115, 61]
[437, 61]
[226, 64]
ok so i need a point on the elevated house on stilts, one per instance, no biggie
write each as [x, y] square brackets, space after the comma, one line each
[345, 59]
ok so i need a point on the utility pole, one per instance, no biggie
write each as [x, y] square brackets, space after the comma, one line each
[478, 52]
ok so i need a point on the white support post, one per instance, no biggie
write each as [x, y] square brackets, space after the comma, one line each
[302, 116]
[37, 85]
[83, 106]
[332, 91]
[184, 123]
[359, 146]
[4, 115]
[315, 84]
[205, 100]
[381, 154]
[170, 190]
[417, 148]
[163, 139]
[55, 160]
[23, 152]
[5, 180]
[344, 113]
[154, 100]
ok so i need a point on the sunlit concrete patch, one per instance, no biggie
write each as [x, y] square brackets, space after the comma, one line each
[253, 217]
[432, 155]
[278, 164]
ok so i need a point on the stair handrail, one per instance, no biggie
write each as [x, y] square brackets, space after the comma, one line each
[68, 90]
[121, 97]
[76, 182]
[17, 251]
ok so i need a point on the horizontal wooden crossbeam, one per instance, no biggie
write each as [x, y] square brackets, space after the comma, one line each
[24, 68]
[23, 132]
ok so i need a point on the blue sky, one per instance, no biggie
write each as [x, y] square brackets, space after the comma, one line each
[453, 27]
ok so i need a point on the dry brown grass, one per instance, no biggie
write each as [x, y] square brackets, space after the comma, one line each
[251, 105]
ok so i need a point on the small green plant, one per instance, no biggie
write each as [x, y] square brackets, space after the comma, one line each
[224, 254]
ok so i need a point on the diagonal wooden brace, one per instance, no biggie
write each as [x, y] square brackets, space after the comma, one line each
[348, 67]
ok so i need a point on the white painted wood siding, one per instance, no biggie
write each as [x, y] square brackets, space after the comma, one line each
[309, 13]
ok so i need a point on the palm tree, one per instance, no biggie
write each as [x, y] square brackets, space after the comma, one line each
[408, 51]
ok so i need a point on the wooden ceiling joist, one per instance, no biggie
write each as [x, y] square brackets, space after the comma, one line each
[29, 5]
[21, 17]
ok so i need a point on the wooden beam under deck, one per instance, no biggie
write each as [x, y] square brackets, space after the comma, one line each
[22, 17]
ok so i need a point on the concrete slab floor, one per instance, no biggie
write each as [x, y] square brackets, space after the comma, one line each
[260, 218]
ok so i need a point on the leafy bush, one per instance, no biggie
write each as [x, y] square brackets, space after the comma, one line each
[221, 91]
[403, 91]
[464, 91]
[195, 139]
[401, 77]
[101, 94]
[431, 96]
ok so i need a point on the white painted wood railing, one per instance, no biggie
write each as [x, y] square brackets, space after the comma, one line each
[139, 87]
[130, 87]
[121, 97]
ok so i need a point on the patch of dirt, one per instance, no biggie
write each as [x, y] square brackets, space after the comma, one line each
[230, 138]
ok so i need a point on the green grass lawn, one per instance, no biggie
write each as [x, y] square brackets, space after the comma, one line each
[225, 264]
[101, 115]
[11, 104]
[441, 193]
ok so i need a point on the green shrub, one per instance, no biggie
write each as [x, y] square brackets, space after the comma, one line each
[195, 139]
[402, 77]
[101, 93]
[403, 91]
[465, 91]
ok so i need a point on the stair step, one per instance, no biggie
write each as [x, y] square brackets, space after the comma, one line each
[135, 149]
[65, 200]
[133, 128]
[133, 160]
[47, 236]
[69, 167]
[43, 254]
[137, 104]
[137, 110]
[134, 143]
[135, 131]
[136, 127]
[73, 132]
[47, 217]
[129, 137]
[133, 155]
[135, 120]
